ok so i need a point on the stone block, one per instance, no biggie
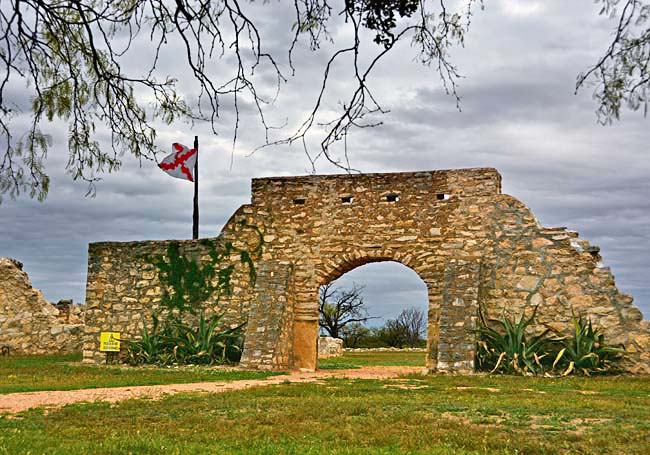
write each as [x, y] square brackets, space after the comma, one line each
[329, 347]
[528, 283]
[28, 323]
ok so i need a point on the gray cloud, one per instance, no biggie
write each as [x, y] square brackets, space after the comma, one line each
[519, 114]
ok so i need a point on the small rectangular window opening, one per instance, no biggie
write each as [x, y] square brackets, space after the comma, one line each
[392, 197]
[299, 201]
[443, 196]
[346, 199]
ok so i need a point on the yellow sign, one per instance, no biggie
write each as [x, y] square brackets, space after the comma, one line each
[109, 342]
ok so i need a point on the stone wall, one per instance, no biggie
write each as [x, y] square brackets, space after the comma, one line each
[28, 323]
[329, 347]
[553, 269]
[477, 250]
[124, 286]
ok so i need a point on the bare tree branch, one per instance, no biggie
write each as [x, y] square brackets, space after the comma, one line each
[76, 53]
[339, 308]
[413, 323]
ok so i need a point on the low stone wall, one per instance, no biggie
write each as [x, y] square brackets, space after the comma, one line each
[29, 324]
[125, 287]
[329, 347]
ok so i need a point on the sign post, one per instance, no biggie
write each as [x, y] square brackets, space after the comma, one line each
[109, 342]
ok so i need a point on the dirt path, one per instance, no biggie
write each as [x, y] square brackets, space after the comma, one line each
[17, 402]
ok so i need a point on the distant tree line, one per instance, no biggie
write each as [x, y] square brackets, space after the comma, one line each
[343, 314]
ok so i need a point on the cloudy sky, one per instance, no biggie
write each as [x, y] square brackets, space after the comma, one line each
[518, 114]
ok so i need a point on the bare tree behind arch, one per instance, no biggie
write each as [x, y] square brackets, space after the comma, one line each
[340, 308]
[413, 322]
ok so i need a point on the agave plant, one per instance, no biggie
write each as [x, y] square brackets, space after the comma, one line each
[203, 343]
[508, 349]
[173, 341]
[149, 348]
[587, 352]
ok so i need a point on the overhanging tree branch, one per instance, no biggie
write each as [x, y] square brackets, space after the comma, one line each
[77, 56]
[622, 75]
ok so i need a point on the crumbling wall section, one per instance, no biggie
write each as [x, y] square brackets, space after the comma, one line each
[560, 274]
[29, 324]
[329, 347]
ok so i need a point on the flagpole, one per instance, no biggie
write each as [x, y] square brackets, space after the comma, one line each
[195, 216]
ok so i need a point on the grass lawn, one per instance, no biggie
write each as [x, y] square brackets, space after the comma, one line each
[455, 415]
[417, 415]
[386, 358]
[31, 373]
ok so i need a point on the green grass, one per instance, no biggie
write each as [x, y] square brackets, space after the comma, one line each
[360, 359]
[450, 415]
[32, 373]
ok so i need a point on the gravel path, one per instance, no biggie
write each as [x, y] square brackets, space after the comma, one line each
[17, 402]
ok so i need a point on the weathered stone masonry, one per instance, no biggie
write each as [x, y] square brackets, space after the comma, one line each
[29, 324]
[472, 246]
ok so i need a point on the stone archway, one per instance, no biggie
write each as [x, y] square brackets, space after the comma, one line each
[473, 246]
[452, 300]
[388, 291]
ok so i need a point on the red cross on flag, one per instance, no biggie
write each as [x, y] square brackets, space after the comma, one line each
[180, 164]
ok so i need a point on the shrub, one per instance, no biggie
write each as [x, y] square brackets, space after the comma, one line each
[392, 334]
[175, 342]
[148, 348]
[509, 350]
[354, 335]
[587, 352]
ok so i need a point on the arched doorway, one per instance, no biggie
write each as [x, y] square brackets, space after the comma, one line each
[377, 305]
[306, 329]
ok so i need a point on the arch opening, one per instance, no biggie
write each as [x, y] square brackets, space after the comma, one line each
[303, 347]
[378, 304]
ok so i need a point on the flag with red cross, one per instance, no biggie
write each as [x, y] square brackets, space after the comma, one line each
[180, 163]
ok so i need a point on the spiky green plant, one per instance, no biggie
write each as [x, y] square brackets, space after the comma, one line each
[509, 349]
[173, 341]
[204, 344]
[587, 352]
[149, 348]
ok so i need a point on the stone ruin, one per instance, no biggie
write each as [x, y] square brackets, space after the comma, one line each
[477, 250]
[29, 324]
[329, 347]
